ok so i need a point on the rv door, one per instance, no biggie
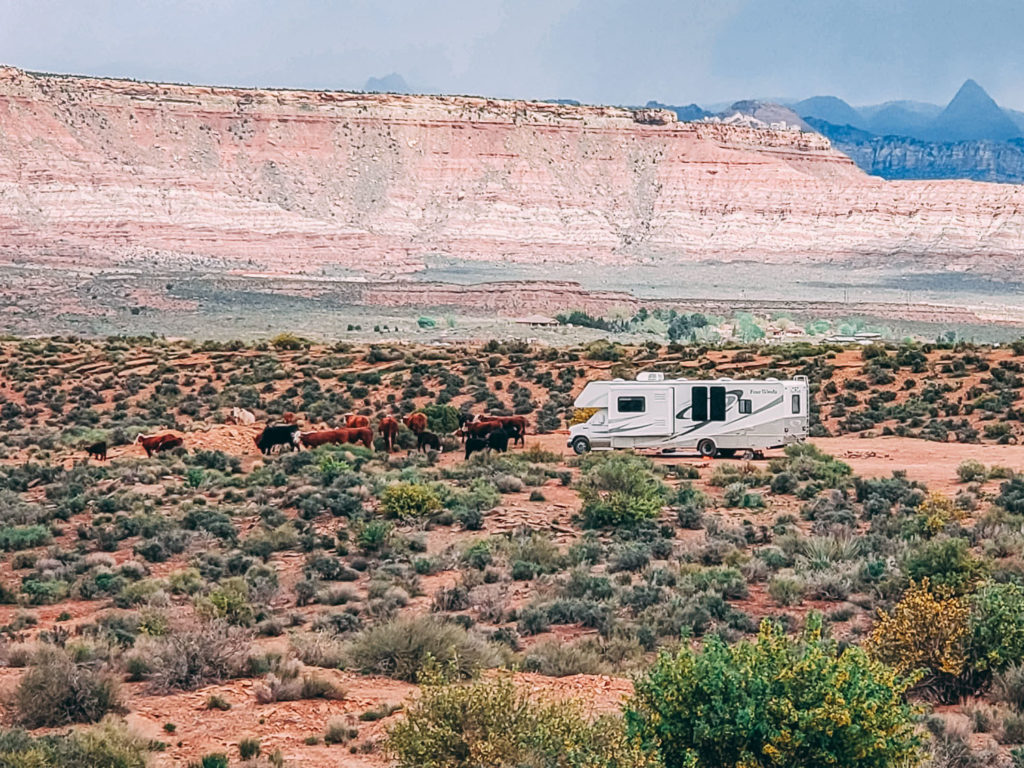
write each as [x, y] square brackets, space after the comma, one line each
[638, 412]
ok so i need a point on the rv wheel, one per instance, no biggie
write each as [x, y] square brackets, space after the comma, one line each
[707, 448]
[580, 446]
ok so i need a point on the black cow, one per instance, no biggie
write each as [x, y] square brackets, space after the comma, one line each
[426, 440]
[475, 444]
[515, 434]
[498, 440]
[97, 450]
[464, 419]
[279, 434]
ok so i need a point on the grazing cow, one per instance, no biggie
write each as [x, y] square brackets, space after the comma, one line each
[498, 440]
[475, 444]
[426, 440]
[278, 434]
[518, 422]
[354, 420]
[97, 451]
[417, 422]
[480, 428]
[242, 416]
[362, 435]
[389, 431]
[157, 443]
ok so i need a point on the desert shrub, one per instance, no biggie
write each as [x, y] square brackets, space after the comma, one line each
[494, 723]
[690, 504]
[971, 471]
[555, 658]
[57, 691]
[735, 706]
[108, 745]
[441, 419]
[409, 501]
[786, 590]
[1008, 686]
[401, 647]
[946, 562]
[17, 537]
[996, 628]
[190, 657]
[926, 632]
[619, 489]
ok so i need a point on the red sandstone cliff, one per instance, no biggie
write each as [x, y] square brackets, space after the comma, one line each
[104, 172]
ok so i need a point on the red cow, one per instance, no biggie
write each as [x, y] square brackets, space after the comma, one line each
[417, 422]
[288, 417]
[354, 420]
[389, 431]
[157, 443]
[480, 428]
[337, 437]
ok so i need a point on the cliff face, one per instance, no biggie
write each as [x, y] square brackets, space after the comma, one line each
[103, 172]
[901, 157]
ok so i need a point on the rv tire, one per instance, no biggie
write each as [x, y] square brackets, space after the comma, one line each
[580, 446]
[707, 448]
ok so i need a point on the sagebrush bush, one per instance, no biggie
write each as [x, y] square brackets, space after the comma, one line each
[192, 656]
[619, 489]
[55, 690]
[409, 501]
[494, 723]
[399, 648]
[108, 745]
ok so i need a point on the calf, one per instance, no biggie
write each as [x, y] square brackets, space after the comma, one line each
[417, 422]
[475, 444]
[157, 443]
[97, 451]
[426, 440]
[353, 420]
[389, 431]
[498, 440]
[278, 434]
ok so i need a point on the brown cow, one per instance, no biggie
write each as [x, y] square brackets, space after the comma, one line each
[517, 423]
[354, 420]
[417, 422]
[480, 428]
[157, 443]
[337, 437]
[389, 431]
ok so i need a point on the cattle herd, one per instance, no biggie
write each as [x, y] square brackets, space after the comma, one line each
[479, 433]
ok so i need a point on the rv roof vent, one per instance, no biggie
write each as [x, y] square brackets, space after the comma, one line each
[650, 376]
[771, 378]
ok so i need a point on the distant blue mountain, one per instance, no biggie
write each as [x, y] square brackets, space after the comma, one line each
[686, 114]
[393, 83]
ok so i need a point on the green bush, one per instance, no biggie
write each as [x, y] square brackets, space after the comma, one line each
[971, 471]
[57, 691]
[774, 702]
[494, 723]
[996, 628]
[442, 419]
[619, 489]
[18, 537]
[108, 745]
[409, 501]
[946, 562]
[400, 648]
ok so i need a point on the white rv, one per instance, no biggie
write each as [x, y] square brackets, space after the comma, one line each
[712, 417]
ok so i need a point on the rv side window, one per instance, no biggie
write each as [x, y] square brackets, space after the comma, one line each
[718, 403]
[745, 406]
[796, 403]
[699, 411]
[632, 404]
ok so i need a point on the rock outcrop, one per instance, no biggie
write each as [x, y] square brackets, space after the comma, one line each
[114, 173]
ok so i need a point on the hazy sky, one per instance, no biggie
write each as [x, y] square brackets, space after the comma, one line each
[614, 51]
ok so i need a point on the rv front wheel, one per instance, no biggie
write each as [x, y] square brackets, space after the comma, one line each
[707, 448]
[580, 446]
